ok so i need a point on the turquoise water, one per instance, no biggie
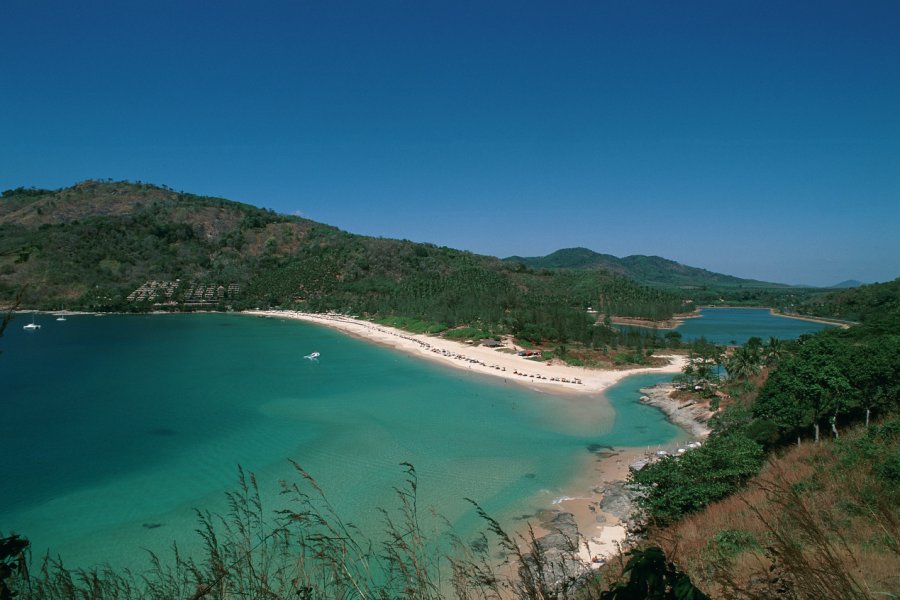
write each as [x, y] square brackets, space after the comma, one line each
[737, 325]
[115, 428]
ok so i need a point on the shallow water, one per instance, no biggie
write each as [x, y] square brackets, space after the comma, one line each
[116, 428]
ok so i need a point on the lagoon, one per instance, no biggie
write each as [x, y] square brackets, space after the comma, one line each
[734, 326]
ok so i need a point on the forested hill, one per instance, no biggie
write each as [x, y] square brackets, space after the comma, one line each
[649, 270]
[135, 247]
[876, 305]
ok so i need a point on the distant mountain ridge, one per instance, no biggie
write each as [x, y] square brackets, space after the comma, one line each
[648, 270]
[849, 283]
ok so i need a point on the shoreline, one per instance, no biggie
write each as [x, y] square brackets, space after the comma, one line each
[841, 324]
[836, 323]
[668, 324]
[672, 323]
[600, 508]
[599, 505]
[678, 320]
[547, 377]
[603, 513]
[686, 415]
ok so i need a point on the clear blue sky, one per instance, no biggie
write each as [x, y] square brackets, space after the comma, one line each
[757, 138]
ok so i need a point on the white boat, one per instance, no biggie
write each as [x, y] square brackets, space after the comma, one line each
[61, 318]
[312, 356]
[31, 326]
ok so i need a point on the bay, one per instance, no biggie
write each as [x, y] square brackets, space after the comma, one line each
[116, 428]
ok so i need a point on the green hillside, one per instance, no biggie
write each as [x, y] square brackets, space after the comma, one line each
[876, 305]
[123, 246]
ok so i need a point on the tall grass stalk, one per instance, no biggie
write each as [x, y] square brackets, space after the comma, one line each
[307, 551]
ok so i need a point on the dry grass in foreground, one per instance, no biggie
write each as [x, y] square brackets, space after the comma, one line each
[819, 522]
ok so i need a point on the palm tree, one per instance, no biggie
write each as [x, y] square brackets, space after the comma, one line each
[742, 364]
[774, 351]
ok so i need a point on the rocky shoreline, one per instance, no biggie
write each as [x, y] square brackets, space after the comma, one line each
[613, 502]
[686, 414]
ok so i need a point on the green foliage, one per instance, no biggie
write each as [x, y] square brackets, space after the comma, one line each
[677, 485]
[12, 562]
[629, 358]
[702, 368]
[834, 375]
[773, 351]
[673, 339]
[652, 577]
[412, 325]
[877, 306]
[880, 448]
[729, 543]
[467, 333]
[744, 362]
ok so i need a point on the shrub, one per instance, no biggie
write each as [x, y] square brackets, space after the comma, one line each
[678, 485]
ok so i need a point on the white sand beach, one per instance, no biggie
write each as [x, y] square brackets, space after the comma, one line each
[552, 376]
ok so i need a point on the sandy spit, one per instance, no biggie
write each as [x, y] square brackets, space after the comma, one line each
[543, 376]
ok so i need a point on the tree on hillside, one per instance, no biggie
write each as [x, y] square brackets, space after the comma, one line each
[874, 373]
[702, 366]
[754, 344]
[743, 363]
[801, 392]
[773, 351]
[781, 399]
[834, 398]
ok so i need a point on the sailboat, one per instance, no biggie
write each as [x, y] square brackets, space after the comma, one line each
[31, 326]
